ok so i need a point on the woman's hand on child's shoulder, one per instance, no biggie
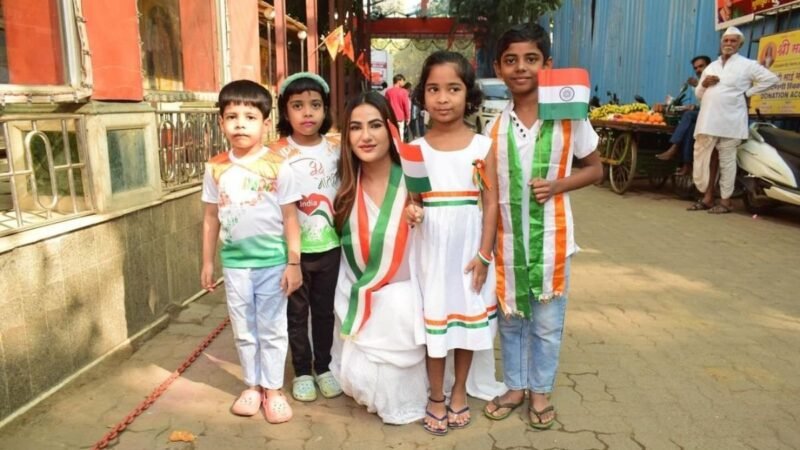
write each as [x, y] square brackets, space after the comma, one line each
[414, 214]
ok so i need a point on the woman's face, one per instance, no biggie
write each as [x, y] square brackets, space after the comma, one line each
[368, 135]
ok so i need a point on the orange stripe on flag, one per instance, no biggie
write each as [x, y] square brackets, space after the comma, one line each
[563, 77]
[410, 152]
[559, 271]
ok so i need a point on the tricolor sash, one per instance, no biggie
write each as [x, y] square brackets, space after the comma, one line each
[541, 271]
[375, 256]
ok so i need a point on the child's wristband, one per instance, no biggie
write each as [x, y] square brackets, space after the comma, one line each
[486, 260]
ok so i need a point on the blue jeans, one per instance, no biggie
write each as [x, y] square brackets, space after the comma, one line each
[531, 346]
[257, 307]
[683, 136]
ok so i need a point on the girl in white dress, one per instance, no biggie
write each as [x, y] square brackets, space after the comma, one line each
[376, 358]
[454, 240]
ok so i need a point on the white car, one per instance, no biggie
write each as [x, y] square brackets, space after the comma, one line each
[495, 99]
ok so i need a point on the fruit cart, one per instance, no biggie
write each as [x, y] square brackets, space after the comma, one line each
[628, 150]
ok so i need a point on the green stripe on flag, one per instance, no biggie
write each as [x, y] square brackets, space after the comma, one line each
[515, 189]
[541, 164]
[563, 111]
[418, 185]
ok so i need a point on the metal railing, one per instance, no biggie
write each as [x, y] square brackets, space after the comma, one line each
[187, 139]
[44, 171]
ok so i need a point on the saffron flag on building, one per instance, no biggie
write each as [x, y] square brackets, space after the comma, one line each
[414, 170]
[564, 94]
[334, 41]
[347, 47]
[363, 66]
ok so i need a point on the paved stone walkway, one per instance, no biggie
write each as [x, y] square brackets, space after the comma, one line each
[683, 332]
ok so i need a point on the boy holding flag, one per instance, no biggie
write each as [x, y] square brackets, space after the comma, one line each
[535, 139]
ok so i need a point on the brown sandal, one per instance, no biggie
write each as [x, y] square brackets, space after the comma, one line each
[698, 206]
[496, 402]
[541, 424]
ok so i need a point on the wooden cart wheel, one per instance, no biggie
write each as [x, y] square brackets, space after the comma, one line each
[622, 162]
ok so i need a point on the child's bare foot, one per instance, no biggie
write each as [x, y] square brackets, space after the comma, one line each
[501, 407]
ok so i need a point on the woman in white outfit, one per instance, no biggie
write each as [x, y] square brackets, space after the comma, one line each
[376, 358]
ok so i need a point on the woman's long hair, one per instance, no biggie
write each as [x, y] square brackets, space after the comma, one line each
[349, 164]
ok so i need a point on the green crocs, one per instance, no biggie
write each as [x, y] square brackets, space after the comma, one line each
[328, 385]
[303, 389]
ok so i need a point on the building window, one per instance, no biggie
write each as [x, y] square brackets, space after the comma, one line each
[32, 44]
[43, 51]
[127, 160]
[44, 174]
[187, 139]
[160, 29]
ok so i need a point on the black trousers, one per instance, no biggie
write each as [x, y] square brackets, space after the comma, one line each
[320, 272]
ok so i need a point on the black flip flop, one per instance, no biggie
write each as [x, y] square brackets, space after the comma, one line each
[442, 420]
[455, 425]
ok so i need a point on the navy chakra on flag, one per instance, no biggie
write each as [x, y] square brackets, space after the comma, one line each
[566, 94]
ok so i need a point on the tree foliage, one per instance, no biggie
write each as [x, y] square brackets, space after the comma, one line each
[490, 18]
[495, 16]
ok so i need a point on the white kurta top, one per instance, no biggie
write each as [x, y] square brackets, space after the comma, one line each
[723, 109]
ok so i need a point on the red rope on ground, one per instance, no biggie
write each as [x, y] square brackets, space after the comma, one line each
[122, 425]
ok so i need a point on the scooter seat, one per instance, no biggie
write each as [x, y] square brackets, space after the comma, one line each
[784, 141]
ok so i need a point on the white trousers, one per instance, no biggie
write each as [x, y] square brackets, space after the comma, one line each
[704, 146]
[257, 307]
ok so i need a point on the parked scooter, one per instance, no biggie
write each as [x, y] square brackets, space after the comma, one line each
[769, 163]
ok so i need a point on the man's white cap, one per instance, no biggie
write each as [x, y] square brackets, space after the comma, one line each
[732, 31]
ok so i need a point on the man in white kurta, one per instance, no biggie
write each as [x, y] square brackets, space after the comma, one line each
[722, 123]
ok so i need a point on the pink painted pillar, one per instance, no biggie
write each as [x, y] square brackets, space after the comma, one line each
[245, 58]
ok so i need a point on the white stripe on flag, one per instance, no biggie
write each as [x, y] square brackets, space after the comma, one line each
[415, 169]
[553, 94]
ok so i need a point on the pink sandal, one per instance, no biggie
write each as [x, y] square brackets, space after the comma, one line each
[248, 403]
[276, 408]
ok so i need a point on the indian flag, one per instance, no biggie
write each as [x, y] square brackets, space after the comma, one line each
[564, 94]
[413, 163]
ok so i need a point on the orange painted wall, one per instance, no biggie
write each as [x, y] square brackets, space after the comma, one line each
[199, 40]
[33, 42]
[244, 41]
[114, 42]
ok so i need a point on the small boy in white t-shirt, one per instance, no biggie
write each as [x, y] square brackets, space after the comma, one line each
[249, 195]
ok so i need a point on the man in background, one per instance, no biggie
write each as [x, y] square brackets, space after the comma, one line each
[400, 103]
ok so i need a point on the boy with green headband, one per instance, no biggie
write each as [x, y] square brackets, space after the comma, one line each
[535, 232]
